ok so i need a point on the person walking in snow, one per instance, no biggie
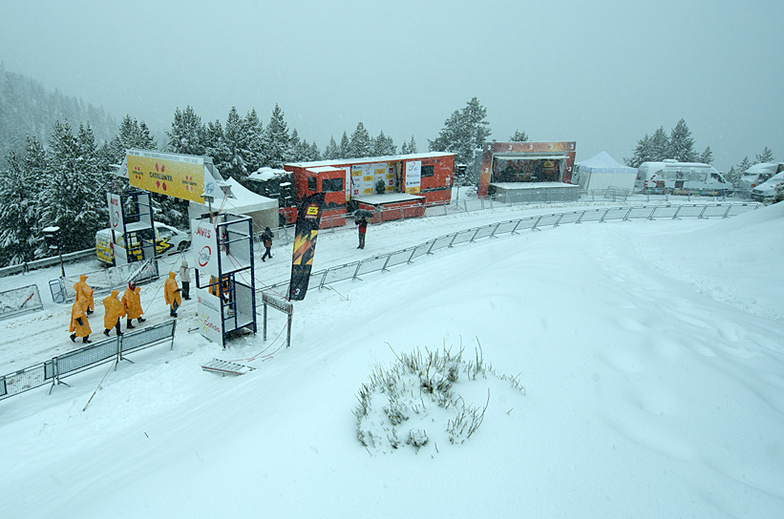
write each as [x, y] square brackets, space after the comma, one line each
[114, 309]
[132, 300]
[362, 223]
[84, 291]
[171, 294]
[80, 326]
[185, 279]
[266, 239]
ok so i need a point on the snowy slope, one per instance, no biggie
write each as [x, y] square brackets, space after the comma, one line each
[652, 355]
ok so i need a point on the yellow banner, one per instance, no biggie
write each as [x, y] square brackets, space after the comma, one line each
[178, 176]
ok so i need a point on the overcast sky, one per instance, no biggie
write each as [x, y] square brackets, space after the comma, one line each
[602, 73]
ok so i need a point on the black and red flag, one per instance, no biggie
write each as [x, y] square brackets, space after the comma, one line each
[308, 220]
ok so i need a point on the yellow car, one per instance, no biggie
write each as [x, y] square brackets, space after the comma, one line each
[167, 240]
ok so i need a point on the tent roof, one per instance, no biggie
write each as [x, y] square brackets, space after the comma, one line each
[603, 162]
[244, 201]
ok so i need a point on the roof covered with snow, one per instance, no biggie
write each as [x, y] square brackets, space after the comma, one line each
[603, 162]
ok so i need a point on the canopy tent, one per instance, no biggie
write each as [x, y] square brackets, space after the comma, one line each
[602, 172]
[262, 210]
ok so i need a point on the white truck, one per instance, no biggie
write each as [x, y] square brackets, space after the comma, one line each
[671, 176]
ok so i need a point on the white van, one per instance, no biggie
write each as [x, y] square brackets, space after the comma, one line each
[766, 192]
[680, 178]
[758, 174]
[167, 239]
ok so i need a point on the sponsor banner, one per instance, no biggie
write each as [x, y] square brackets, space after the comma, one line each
[390, 180]
[349, 183]
[308, 221]
[204, 240]
[210, 316]
[178, 176]
[413, 176]
[115, 212]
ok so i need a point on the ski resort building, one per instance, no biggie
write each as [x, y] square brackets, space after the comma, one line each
[390, 187]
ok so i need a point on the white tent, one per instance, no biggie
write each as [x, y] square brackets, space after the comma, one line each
[602, 172]
[262, 210]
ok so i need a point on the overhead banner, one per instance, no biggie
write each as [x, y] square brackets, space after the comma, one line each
[308, 221]
[178, 176]
[413, 176]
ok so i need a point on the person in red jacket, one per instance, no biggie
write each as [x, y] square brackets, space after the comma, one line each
[362, 223]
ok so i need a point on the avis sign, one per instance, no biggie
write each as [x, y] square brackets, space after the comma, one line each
[205, 246]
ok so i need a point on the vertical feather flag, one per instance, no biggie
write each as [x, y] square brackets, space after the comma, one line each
[308, 220]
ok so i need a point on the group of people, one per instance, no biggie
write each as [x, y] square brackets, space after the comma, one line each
[129, 306]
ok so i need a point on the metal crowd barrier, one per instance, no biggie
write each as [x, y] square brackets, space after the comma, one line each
[19, 301]
[384, 262]
[88, 356]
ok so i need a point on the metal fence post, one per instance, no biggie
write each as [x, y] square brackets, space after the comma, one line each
[626, 216]
[384, 268]
[536, 223]
[675, 216]
[356, 271]
[601, 220]
[727, 212]
[650, 216]
[579, 218]
[702, 213]
[492, 234]
[558, 220]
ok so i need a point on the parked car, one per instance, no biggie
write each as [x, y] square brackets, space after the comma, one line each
[167, 240]
[766, 192]
[758, 174]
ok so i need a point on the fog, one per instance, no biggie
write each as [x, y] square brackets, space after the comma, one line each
[602, 73]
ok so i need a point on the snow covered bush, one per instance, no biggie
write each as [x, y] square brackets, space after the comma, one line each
[415, 400]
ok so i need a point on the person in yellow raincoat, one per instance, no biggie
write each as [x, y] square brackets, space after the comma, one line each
[132, 301]
[114, 309]
[171, 294]
[80, 326]
[83, 291]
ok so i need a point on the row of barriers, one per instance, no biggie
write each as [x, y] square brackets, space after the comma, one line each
[91, 355]
[384, 262]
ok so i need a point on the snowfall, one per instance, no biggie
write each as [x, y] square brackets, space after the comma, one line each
[648, 358]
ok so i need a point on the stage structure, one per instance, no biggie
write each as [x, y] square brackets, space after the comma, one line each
[132, 227]
[223, 254]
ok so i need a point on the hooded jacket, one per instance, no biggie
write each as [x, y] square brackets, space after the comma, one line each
[79, 310]
[132, 302]
[83, 291]
[171, 292]
[113, 310]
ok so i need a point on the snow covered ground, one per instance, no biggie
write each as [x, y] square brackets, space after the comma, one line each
[651, 353]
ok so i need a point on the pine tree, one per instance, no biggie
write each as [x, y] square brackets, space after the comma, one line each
[741, 168]
[464, 132]
[277, 144]
[254, 156]
[409, 148]
[681, 143]
[131, 134]
[643, 152]
[188, 135]
[217, 148]
[660, 145]
[765, 156]
[360, 143]
[73, 194]
[315, 154]
[345, 147]
[383, 145]
[707, 156]
[331, 152]
[237, 146]
[519, 137]
[20, 210]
